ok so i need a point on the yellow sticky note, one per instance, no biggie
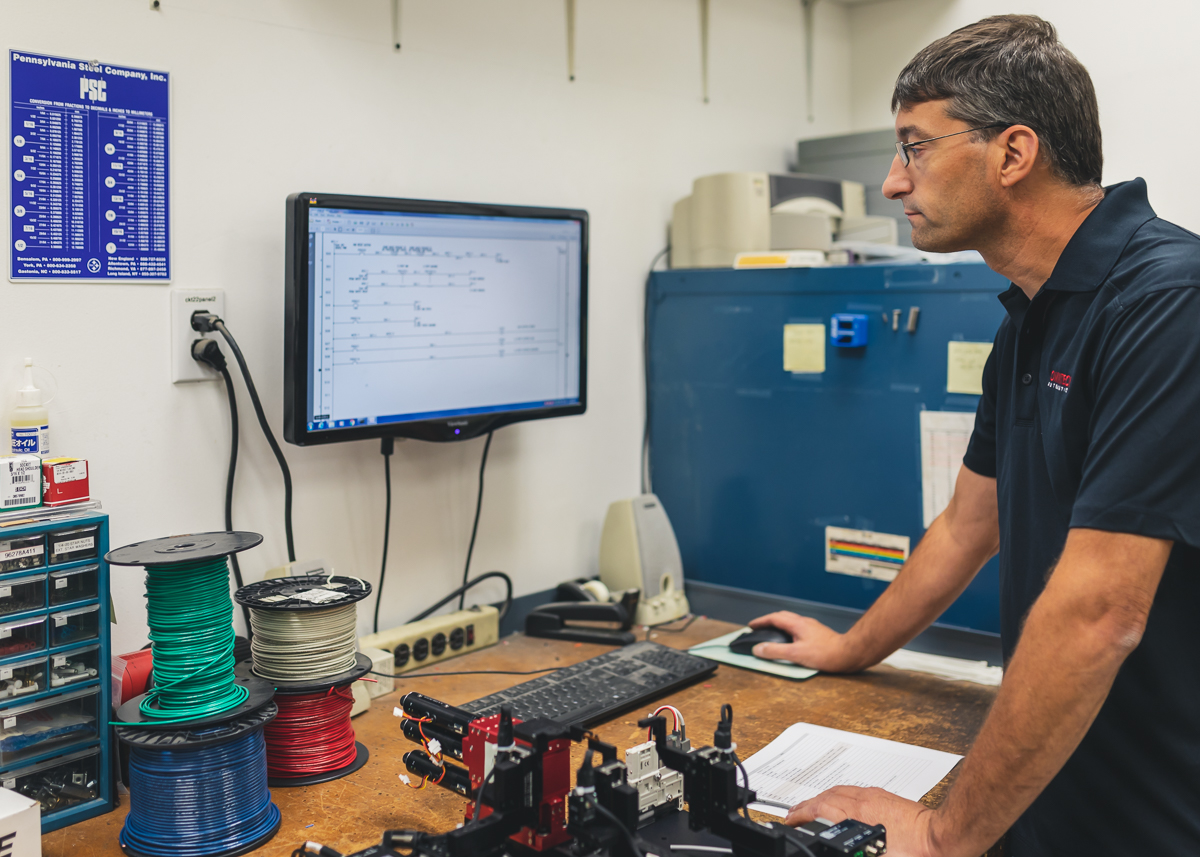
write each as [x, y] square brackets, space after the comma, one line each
[964, 367]
[804, 348]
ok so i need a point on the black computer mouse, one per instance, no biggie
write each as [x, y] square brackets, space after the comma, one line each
[744, 645]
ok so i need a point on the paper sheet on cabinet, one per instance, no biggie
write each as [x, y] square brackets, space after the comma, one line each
[944, 439]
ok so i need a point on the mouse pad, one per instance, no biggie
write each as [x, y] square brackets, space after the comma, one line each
[717, 649]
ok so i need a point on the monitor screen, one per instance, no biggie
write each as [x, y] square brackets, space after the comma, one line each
[432, 320]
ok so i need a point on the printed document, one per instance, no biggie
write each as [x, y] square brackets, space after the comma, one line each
[806, 760]
[944, 439]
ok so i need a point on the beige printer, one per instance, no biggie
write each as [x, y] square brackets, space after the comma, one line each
[732, 213]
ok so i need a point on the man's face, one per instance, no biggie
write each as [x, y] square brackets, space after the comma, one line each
[947, 196]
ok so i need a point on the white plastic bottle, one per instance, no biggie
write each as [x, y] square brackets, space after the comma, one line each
[30, 422]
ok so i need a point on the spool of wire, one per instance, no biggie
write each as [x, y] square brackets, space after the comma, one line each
[312, 734]
[190, 616]
[199, 792]
[305, 628]
[305, 634]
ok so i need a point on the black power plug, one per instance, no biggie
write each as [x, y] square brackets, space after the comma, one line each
[208, 352]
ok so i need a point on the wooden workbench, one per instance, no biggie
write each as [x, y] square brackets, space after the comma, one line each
[349, 814]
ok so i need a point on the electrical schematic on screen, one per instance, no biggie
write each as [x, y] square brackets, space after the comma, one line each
[420, 316]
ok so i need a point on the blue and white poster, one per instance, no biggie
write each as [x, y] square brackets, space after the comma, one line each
[88, 171]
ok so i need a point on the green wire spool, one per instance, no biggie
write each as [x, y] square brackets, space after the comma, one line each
[190, 615]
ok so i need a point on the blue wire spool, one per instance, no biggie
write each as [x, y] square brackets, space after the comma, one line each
[199, 792]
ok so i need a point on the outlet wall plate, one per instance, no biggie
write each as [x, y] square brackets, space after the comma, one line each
[184, 302]
[420, 644]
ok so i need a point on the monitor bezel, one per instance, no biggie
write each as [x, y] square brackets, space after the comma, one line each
[296, 333]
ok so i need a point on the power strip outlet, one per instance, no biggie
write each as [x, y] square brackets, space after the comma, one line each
[419, 644]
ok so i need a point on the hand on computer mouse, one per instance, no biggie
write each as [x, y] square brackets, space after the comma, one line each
[813, 644]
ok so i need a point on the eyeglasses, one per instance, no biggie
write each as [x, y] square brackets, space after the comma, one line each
[902, 148]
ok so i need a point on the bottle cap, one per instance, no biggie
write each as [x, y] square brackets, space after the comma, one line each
[29, 395]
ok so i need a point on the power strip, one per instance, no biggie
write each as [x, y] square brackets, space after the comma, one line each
[419, 644]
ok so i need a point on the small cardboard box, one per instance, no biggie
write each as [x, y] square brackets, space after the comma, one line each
[20, 482]
[20, 825]
[64, 480]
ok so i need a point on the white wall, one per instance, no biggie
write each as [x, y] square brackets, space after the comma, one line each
[271, 97]
[1142, 58]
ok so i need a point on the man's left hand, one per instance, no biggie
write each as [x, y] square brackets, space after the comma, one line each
[909, 824]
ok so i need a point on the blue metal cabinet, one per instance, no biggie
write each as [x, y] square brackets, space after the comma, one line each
[54, 661]
[753, 462]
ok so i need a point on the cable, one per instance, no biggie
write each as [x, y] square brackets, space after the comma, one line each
[616, 822]
[462, 589]
[207, 351]
[647, 486]
[308, 645]
[233, 454]
[199, 802]
[311, 734]
[479, 796]
[475, 526]
[190, 613]
[662, 627]
[219, 326]
[745, 783]
[387, 446]
[464, 672]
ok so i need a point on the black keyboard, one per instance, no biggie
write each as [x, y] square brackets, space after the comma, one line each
[599, 688]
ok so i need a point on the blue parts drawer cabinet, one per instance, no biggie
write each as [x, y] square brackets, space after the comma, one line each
[54, 654]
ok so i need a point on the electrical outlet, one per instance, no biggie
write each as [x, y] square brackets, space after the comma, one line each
[184, 302]
[419, 644]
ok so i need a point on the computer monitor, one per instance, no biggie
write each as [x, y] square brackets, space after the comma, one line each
[432, 320]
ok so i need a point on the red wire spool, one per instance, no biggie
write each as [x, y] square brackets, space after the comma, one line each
[311, 734]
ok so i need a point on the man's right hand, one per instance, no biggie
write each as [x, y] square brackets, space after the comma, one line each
[813, 645]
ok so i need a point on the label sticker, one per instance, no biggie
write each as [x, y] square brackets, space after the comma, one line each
[19, 553]
[10, 722]
[964, 366]
[5, 592]
[59, 621]
[60, 660]
[72, 472]
[10, 784]
[86, 543]
[5, 633]
[6, 672]
[320, 596]
[804, 348]
[862, 553]
[61, 583]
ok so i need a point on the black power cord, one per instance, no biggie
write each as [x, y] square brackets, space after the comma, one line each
[475, 527]
[205, 322]
[207, 351]
[647, 487]
[387, 447]
[487, 575]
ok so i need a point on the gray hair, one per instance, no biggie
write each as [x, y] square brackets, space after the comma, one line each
[1013, 70]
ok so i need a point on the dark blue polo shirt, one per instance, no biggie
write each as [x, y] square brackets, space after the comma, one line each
[1090, 417]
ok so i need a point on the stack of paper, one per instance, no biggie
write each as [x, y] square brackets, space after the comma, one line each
[953, 669]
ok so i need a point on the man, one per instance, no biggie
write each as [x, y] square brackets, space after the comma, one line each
[1083, 471]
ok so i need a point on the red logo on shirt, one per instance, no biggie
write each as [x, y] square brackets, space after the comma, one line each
[1059, 381]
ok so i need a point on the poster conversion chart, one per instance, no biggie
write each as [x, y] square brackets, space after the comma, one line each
[88, 171]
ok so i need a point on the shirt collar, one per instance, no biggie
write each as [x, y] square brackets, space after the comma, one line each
[1101, 238]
